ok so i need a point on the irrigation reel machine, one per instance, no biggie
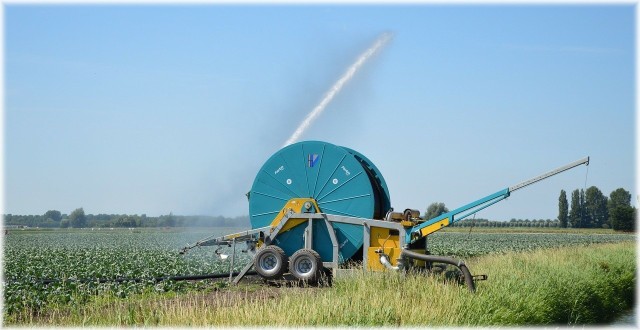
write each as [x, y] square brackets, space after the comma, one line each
[314, 206]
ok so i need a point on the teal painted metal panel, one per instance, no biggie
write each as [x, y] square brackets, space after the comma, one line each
[349, 239]
[291, 240]
[334, 176]
[383, 198]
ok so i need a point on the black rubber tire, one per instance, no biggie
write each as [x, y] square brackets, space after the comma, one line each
[306, 265]
[270, 262]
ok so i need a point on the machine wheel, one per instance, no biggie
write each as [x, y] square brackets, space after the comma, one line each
[270, 262]
[306, 265]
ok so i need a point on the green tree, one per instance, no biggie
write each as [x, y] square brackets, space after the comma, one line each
[77, 218]
[595, 208]
[167, 220]
[434, 210]
[624, 218]
[64, 223]
[584, 220]
[127, 221]
[619, 197]
[621, 214]
[563, 209]
[575, 214]
[53, 215]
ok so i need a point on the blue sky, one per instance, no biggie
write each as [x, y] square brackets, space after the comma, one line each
[158, 109]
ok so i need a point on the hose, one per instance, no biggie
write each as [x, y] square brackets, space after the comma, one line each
[458, 263]
[141, 279]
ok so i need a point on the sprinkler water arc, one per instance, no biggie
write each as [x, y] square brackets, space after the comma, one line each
[380, 42]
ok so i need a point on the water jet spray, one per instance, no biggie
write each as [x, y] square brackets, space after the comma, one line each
[380, 42]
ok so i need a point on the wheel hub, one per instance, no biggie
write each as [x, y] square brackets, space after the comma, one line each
[304, 266]
[269, 262]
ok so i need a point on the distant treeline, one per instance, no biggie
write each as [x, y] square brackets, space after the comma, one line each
[78, 219]
[510, 223]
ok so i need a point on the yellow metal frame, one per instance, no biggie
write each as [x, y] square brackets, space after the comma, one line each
[295, 205]
[434, 227]
[381, 239]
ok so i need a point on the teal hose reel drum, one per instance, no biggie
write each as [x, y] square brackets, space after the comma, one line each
[340, 180]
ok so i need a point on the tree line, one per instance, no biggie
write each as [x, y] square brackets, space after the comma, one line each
[589, 209]
[78, 219]
[592, 209]
[511, 223]
[437, 209]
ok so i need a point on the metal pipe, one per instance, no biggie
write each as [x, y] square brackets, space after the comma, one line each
[233, 258]
[384, 259]
[458, 263]
[139, 279]
[550, 173]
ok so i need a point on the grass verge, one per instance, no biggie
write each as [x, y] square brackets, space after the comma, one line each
[583, 285]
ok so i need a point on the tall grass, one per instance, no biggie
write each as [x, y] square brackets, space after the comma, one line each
[584, 285]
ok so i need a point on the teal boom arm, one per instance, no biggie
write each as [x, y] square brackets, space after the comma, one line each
[416, 232]
[439, 222]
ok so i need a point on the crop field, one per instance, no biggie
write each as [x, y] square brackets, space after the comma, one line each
[30, 256]
[464, 245]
